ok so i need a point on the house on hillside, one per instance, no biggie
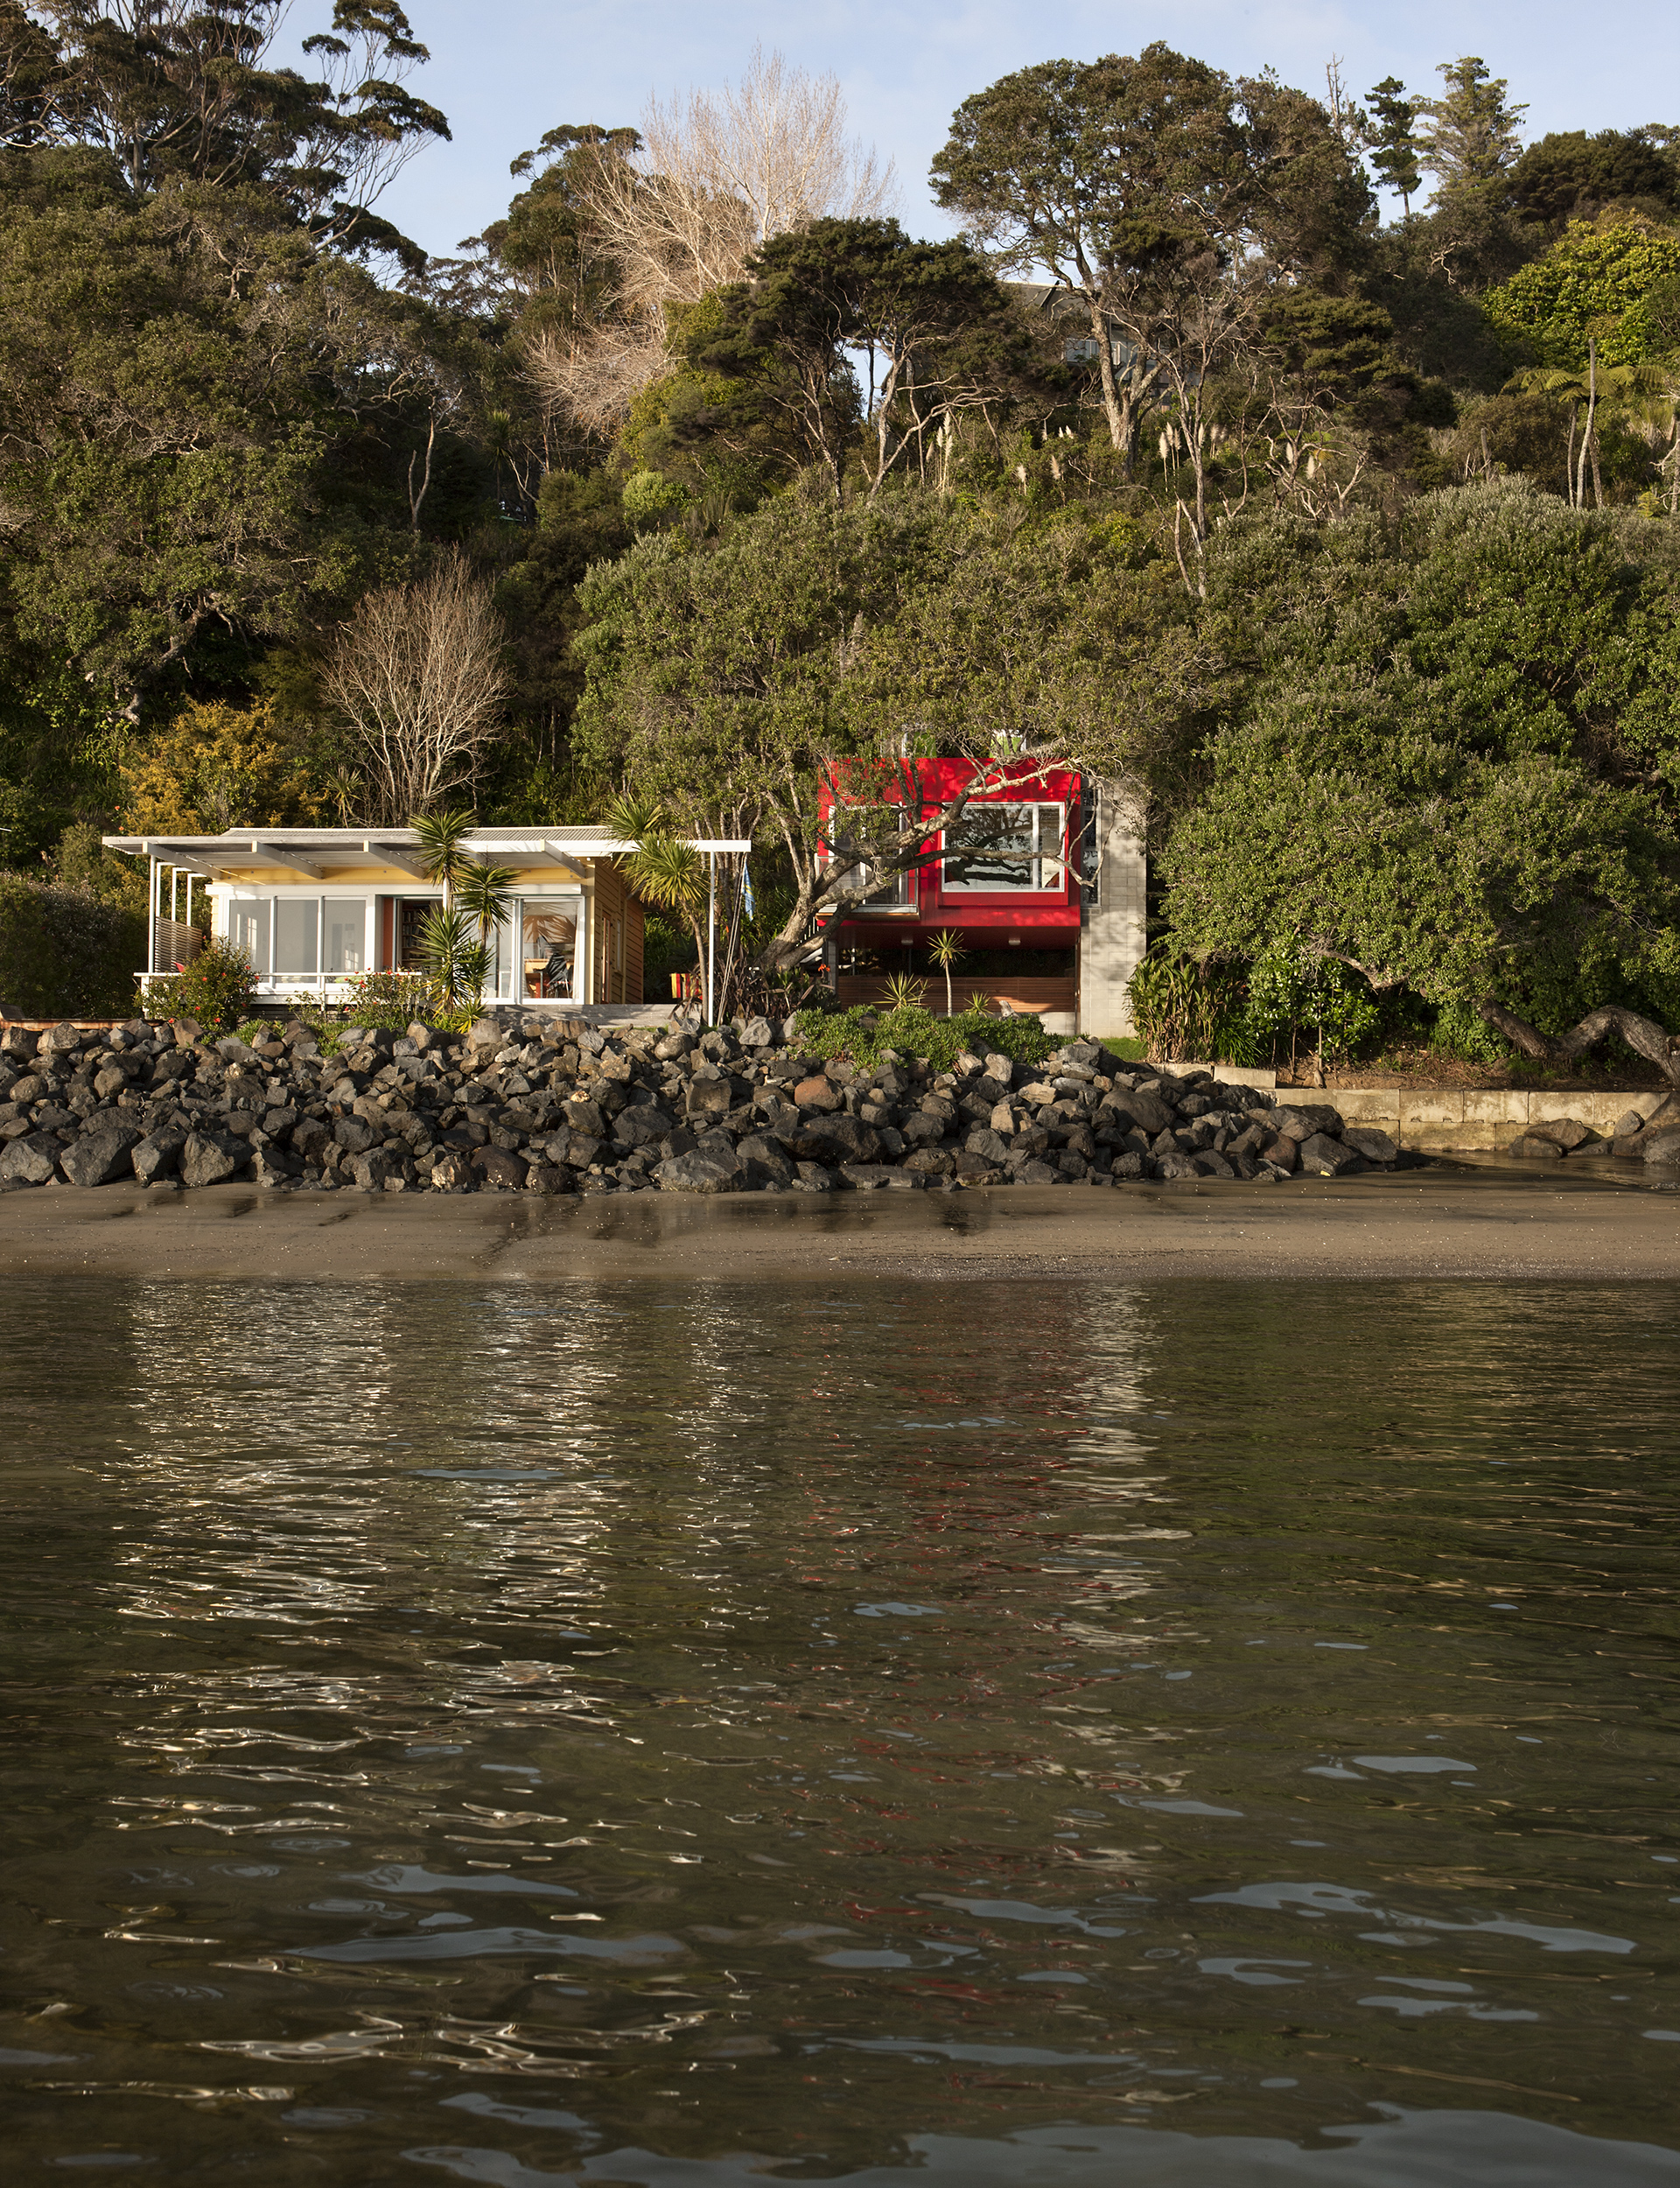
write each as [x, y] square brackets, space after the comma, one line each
[1043, 882]
[314, 908]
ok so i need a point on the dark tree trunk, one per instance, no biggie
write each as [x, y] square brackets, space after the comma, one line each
[1643, 1035]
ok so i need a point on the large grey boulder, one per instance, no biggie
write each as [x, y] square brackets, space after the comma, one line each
[500, 1166]
[698, 1172]
[354, 1134]
[101, 1156]
[158, 1155]
[33, 1159]
[371, 1170]
[1321, 1156]
[208, 1158]
[834, 1140]
[870, 1177]
[1367, 1140]
[1663, 1145]
[18, 1042]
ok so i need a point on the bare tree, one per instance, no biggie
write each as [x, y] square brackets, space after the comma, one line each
[417, 673]
[715, 176]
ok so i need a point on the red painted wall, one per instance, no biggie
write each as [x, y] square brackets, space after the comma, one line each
[1046, 919]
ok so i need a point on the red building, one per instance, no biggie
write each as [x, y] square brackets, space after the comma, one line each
[1006, 879]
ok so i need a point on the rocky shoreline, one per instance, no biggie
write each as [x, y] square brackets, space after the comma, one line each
[556, 1106]
[550, 1106]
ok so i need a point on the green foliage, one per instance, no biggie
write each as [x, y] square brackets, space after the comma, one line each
[1567, 175]
[217, 988]
[863, 1034]
[1596, 281]
[649, 495]
[1451, 757]
[64, 953]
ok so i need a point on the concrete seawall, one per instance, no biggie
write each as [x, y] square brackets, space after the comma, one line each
[1444, 1122]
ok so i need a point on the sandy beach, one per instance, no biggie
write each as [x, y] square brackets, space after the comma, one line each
[1490, 1223]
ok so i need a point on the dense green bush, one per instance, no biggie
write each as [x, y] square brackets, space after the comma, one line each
[863, 1034]
[64, 954]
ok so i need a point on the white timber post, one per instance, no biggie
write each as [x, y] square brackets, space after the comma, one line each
[711, 938]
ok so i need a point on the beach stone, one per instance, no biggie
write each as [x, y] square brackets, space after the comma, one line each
[1569, 1132]
[1176, 1166]
[33, 1159]
[18, 1042]
[545, 1177]
[500, 1166]
[1367, 1140]
[819, 1091]
[1627, 1125]
[812, 1178]
[354, 1134]
[309, 1136]
[1209, 1163]
[700, 1173]
[269, 1166]
[207, 1158]
[1321, 1156]
[711, 1098]
[100, 1156]
[158, 1155]
[59, 1041]
[758, 1032]
[765, 1159]
[452, 1173]
[834, 1140]
[641, 1123]
[990, 1146]
[1663, 1145]
[931, 1162]
[870, 1177]
[1530, 1147]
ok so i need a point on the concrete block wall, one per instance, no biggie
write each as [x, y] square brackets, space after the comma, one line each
[1114, 937]
[1444, 1123]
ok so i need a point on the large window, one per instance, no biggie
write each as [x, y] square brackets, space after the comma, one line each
[247, 928]
[344, 926]
[549, 951]
[297, 934]
[999, 848]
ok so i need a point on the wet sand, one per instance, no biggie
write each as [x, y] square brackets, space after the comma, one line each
[1488, 1222]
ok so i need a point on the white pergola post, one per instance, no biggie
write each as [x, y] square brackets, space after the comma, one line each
[711, 938]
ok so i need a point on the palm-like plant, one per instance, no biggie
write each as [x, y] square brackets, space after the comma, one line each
[904, 992]
[946, 949]
[448, 951]
[484, 893]
[442, 846]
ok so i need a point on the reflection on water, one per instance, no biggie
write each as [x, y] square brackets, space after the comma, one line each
[682, 1737]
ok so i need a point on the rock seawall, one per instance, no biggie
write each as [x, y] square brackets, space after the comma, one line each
[545, 1105]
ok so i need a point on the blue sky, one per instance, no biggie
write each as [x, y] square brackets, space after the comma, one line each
[504, 71]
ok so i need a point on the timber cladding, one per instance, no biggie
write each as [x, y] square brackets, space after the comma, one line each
[616, 972]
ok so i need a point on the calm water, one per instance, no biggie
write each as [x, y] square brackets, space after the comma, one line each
[1132, 1736]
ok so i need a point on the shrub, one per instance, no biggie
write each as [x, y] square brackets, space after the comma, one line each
[863, 1036]
[217, 989]
[64, 954]
[396, 1000]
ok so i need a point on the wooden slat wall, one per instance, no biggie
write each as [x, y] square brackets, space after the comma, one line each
[1025, 994]
[617, 914]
